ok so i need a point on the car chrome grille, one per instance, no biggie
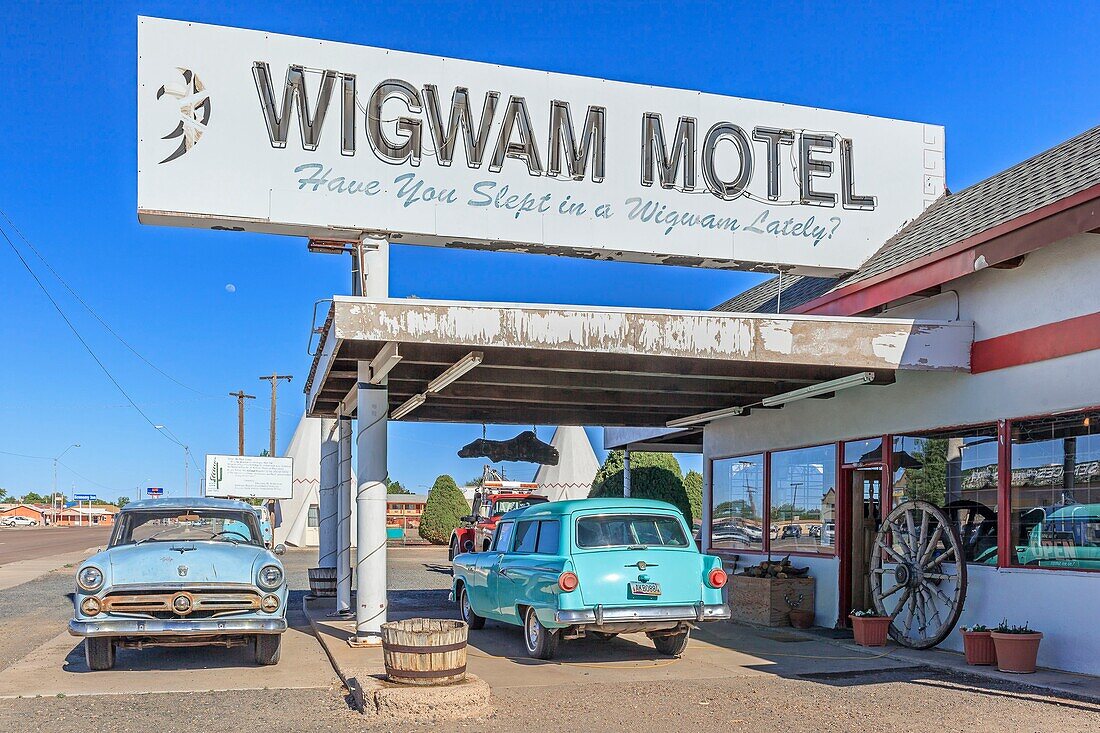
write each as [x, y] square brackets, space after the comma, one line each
[204, 603]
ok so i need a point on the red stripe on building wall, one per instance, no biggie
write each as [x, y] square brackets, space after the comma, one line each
[1071, 336]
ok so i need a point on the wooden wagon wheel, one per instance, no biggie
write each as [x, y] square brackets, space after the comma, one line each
[918, 574]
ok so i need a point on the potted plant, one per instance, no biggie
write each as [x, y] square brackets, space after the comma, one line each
[978, 645]
[870, 627]
[1017, 647]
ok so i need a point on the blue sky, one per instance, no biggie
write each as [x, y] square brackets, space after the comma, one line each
[1005, 80]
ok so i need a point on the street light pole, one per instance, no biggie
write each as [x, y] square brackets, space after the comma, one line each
[53, 498]
[186, 454]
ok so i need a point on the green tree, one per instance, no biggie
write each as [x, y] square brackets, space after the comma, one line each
[395, 487]
[32, 498]
[3, 494]
[652, 476]
[693, 485]
[443, 511]
[121, 501]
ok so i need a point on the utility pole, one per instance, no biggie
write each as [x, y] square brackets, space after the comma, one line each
[241, 397]
[274, 378]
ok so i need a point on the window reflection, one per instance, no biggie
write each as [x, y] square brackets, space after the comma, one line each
[863, 451]
[956, 471]
[803, 499]
[737, 518]
[1056, 491]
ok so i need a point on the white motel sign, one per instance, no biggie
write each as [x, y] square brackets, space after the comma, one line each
[246, 130]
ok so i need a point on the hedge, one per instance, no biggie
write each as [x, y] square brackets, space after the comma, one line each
[652, 476]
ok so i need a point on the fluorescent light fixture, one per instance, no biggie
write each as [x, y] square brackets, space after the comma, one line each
[410, 404]
[386, 359]
[835, 385]
[704, 417]
[455, 371]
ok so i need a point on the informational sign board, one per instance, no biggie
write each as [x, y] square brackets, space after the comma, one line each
[249, 477]
[246, 130]
[83, 497]
[154, 491]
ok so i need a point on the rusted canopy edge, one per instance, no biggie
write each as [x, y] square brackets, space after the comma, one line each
[611, 366]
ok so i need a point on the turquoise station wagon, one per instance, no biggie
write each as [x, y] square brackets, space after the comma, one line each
[566, 569]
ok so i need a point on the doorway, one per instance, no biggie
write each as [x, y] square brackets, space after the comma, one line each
[862, 515]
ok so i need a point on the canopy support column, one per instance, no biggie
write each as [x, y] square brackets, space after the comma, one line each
[343, 560]
[327, 509]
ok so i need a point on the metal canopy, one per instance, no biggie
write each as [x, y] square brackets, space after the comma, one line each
[578, 365]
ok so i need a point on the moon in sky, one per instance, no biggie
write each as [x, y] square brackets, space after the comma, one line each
[230, 288]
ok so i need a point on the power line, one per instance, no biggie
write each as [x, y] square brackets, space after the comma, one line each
[80, 338]
[89, 308]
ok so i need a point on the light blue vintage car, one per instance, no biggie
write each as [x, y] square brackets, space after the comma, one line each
[184, 572]
[604, 567]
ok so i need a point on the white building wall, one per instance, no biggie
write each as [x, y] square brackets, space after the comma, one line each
[1053, 284]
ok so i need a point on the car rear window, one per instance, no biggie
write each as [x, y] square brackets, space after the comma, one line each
[630, 530]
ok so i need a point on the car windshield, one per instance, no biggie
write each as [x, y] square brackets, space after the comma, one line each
[188, 525]
[630, 531]
[503, 506]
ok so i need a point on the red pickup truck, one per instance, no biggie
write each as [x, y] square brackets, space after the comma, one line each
[492, 500]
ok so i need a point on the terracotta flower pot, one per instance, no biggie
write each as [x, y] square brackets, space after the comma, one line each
[979, 647]
[801, 618]
[1016, 652]
[870, 630]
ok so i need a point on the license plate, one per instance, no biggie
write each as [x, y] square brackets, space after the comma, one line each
[645, 589]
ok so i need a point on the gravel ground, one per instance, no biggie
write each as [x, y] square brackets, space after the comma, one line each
[905, 700]
[913, 699]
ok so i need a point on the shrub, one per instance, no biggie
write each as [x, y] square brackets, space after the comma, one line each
[443, 511]
[652, 476]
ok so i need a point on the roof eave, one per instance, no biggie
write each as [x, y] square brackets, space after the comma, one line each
[1034, 230]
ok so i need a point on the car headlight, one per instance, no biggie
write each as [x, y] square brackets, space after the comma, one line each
[90, 578]
[271, 577]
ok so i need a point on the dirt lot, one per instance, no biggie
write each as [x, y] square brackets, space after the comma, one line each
[898, 699]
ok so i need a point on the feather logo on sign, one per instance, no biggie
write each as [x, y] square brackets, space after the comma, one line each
[194, 111]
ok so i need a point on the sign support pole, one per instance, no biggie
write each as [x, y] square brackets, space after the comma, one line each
[330, 483]
[373, 414]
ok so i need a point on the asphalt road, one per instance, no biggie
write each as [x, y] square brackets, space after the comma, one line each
[29, 543]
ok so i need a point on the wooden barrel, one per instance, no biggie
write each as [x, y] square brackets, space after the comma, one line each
[322, 582]
[425, 651]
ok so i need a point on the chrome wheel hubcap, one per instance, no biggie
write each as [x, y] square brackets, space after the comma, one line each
[532, 630]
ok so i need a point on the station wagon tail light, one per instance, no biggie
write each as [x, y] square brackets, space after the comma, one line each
[716, 578]
[90, 606]
[568, 581]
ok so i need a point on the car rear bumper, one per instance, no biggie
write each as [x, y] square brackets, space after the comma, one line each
[171, 627]
[601, 615]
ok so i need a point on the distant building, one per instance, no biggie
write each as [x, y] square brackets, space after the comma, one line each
[30, 511]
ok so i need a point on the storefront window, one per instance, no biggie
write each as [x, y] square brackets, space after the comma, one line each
[803, 499]
[1056, 491]
[863, 451]
[956, 471]
[737, 519]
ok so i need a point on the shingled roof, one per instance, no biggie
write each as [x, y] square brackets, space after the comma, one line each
[1048, 177]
